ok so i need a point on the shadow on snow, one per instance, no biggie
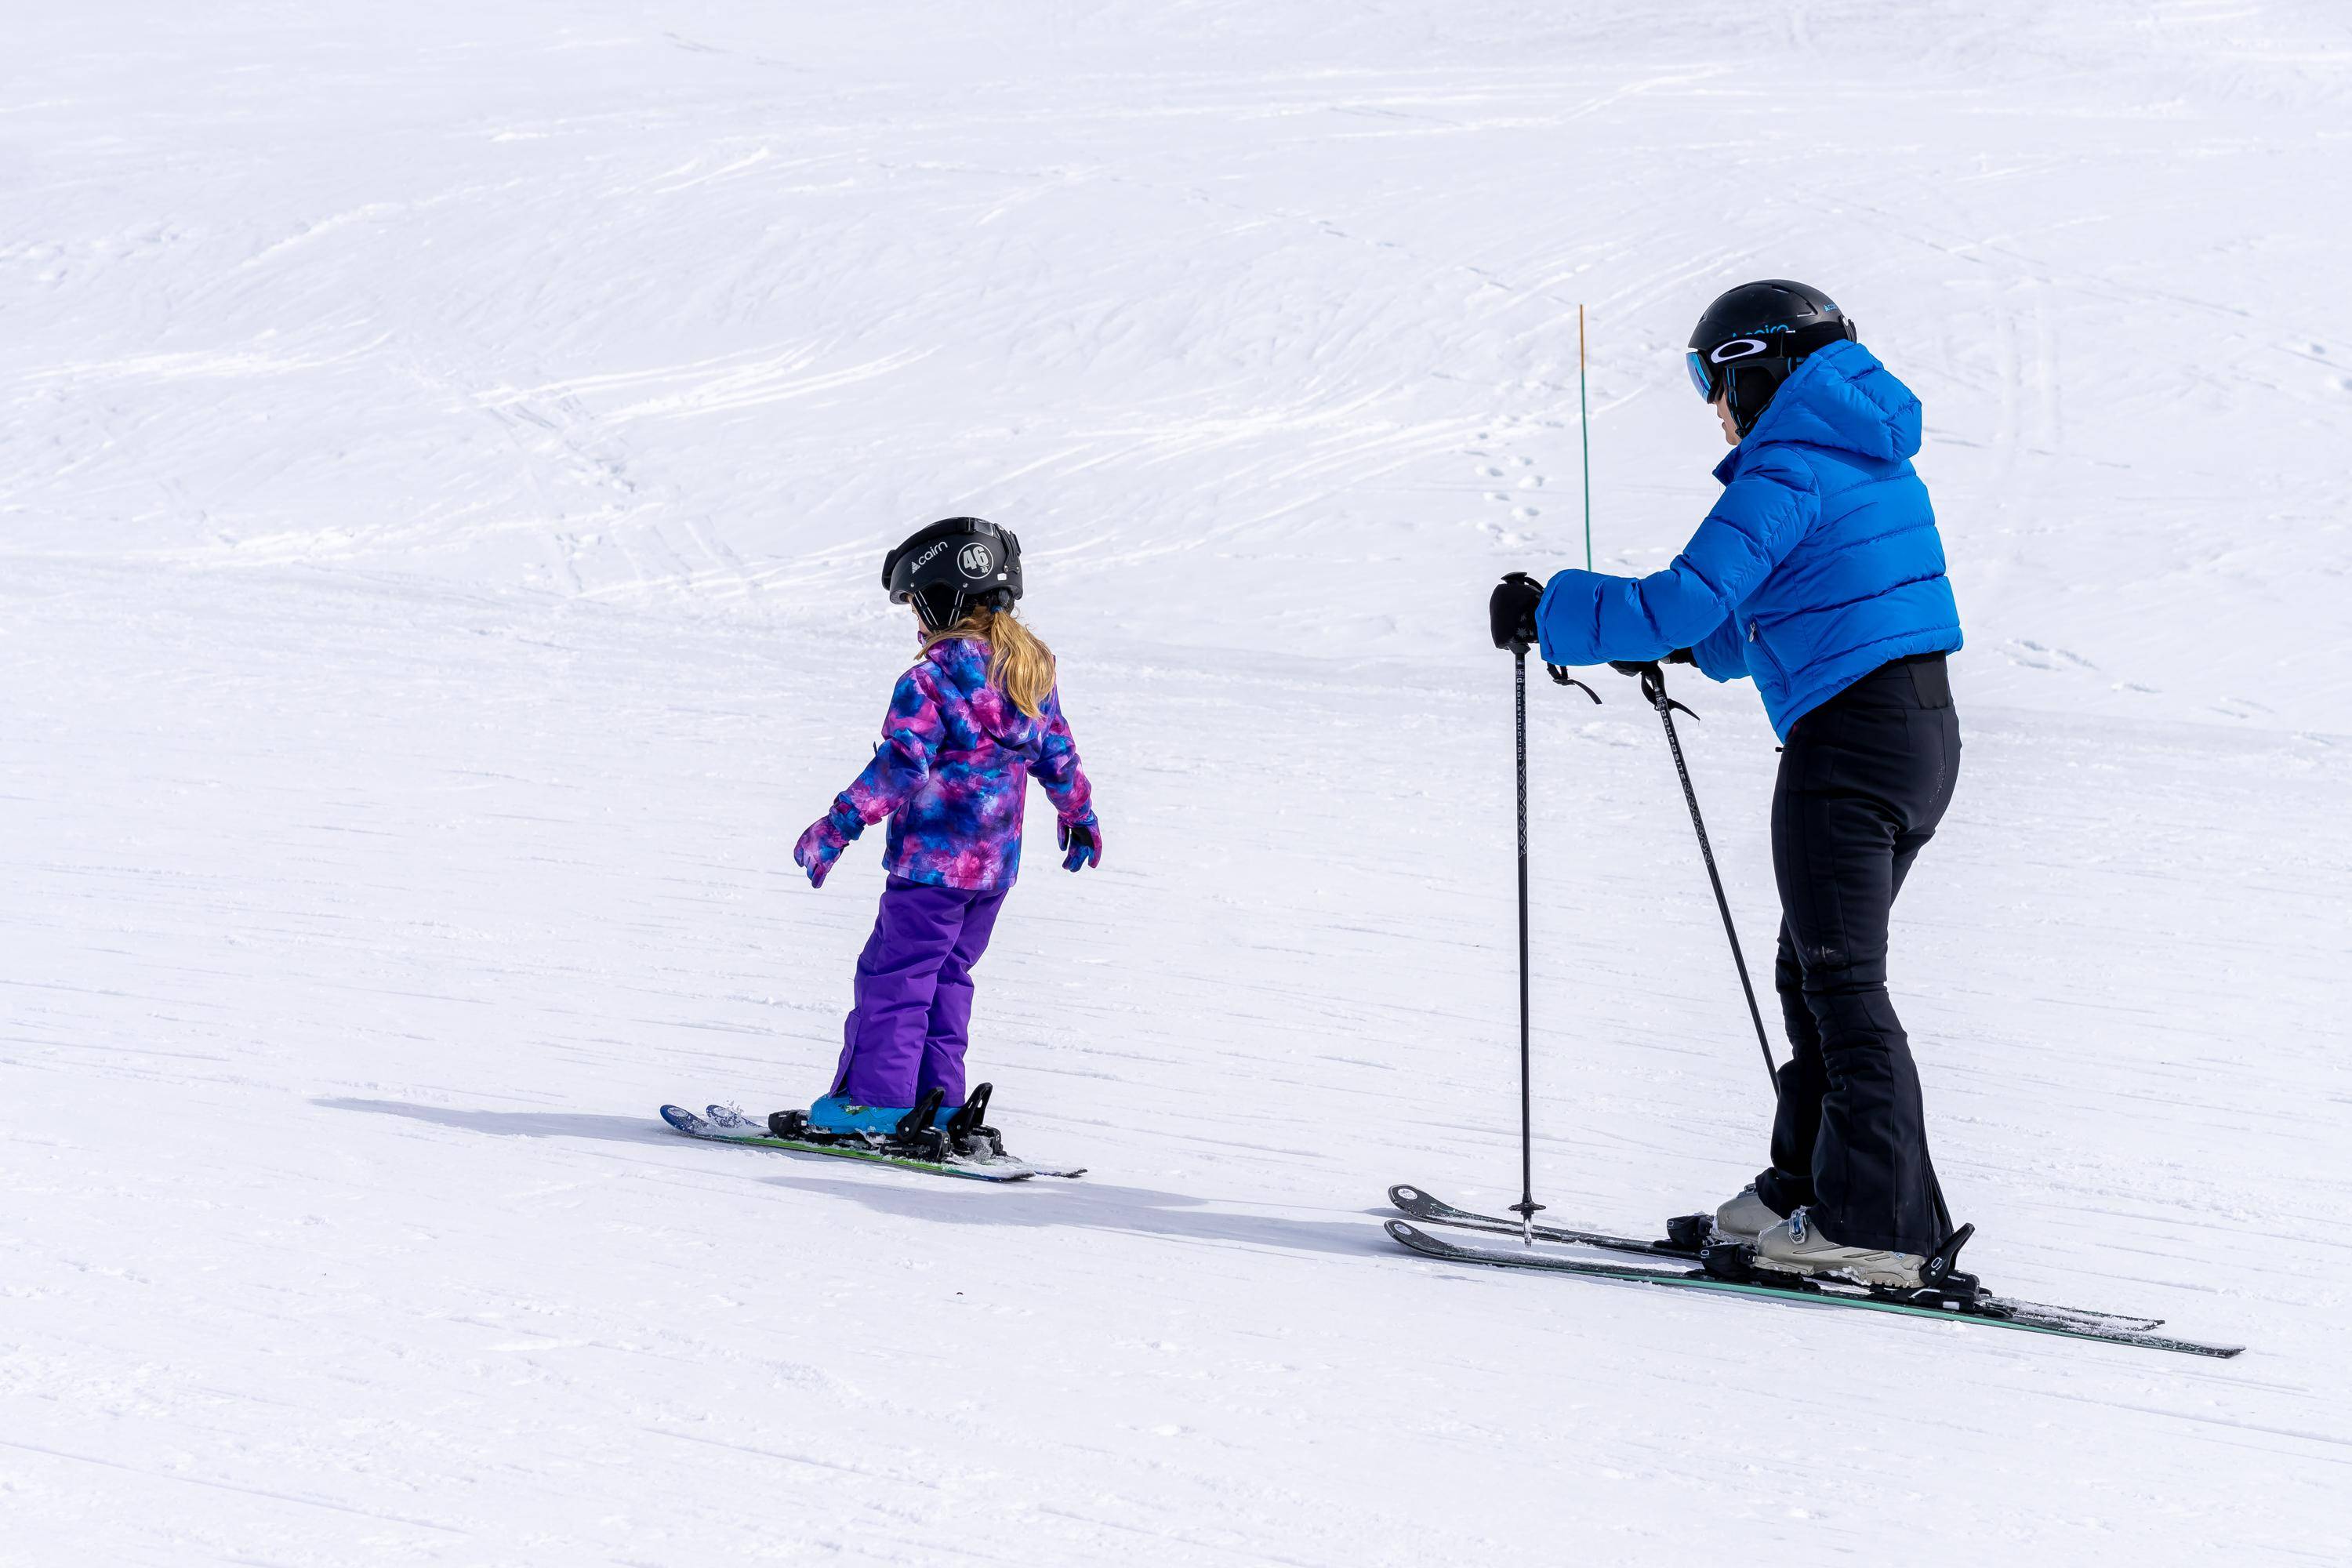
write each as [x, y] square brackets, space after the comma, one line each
[517, 1123]
[1085, 1205]
[1081, 1205]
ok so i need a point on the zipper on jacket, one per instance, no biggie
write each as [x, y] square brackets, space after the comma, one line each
[1756, 637]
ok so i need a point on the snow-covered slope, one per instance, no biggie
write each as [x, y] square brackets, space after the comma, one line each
[444, 454]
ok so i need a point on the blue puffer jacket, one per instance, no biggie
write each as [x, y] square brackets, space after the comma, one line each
[1820, 564]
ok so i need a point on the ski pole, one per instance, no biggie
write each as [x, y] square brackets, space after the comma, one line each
[1527, 1207]
[1584, 432]
[1654, 688]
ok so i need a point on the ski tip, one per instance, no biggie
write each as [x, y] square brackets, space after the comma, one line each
[679, 1117]
[1407, 1197]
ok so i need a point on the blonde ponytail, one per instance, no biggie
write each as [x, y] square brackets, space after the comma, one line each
[1020, 665]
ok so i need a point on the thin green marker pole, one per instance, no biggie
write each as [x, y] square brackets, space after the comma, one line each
[1584, 428]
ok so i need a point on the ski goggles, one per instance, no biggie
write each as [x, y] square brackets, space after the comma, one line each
[1709, 370]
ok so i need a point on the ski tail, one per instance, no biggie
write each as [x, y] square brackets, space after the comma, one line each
[1431, 1209]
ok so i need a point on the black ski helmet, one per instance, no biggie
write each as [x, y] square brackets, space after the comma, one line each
[1752, 337]
[956, 565]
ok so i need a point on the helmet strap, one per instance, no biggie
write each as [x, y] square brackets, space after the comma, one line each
[936, 617]
[1749, 388]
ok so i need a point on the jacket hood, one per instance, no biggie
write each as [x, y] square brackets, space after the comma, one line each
[1840, 397]
[963, 662]
[960, 665]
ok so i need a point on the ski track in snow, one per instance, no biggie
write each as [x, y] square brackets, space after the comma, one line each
[444, 461]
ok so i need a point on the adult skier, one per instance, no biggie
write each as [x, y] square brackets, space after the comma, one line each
[1819, 575]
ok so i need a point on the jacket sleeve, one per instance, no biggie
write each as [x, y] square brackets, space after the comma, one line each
[1589, 617]
[1056, 768]
[1718, 654]
[911, 739]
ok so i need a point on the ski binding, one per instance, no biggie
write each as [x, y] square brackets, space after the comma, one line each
[963, 1146]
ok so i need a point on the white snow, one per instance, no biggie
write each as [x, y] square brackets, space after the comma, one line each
[445, 454]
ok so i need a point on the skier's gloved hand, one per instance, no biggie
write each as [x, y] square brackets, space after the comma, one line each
[1082, 837]
[1511, 611]
[826, 837]
[1636, 665]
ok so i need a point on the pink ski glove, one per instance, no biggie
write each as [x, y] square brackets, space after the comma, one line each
[822, 845]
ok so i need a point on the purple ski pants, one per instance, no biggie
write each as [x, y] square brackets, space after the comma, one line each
[907, 1034]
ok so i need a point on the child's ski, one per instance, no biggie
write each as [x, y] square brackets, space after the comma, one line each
[726, 1124]
[1982, 1309]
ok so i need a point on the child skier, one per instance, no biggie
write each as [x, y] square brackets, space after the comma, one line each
[969, 725]
[1819, 573]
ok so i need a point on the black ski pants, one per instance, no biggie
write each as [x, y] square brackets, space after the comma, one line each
[1864, 781]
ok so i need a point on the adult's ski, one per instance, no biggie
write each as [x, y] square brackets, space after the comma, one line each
[726, 1124]
[1992, 1311]
[1688, 1238]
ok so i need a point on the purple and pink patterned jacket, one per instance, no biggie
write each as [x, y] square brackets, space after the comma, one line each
[952, 769]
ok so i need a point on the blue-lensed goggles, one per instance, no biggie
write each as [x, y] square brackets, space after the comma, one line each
[1701, 376]
[1707, 370]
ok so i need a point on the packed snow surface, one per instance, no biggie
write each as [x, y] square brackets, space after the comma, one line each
[446, 451]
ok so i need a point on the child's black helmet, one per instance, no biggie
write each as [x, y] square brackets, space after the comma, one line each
[956, 565]
[1752, 337]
